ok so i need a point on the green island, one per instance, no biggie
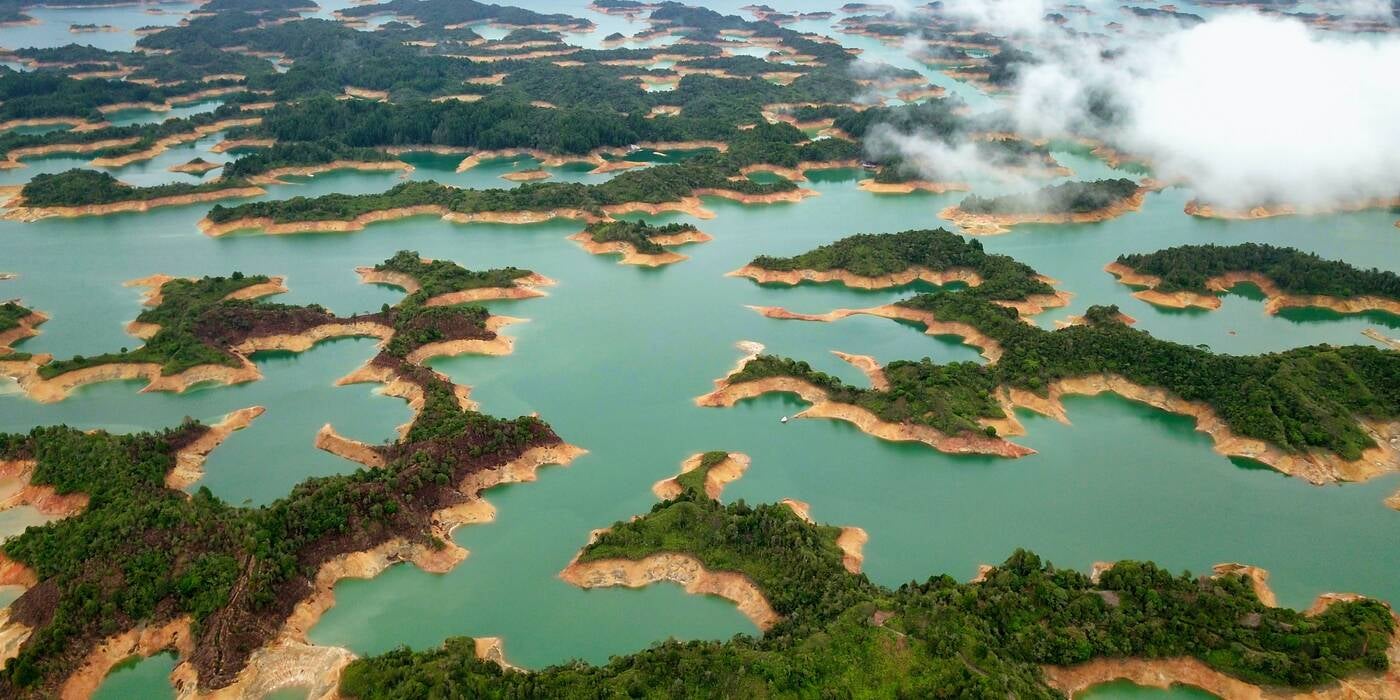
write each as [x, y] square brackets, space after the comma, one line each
[1297, 400]
[83, 188]
[438, 277]
[144, 554]
[870, 255]
[11, 314]
[638, 234]
[1292, 271]
[208, 322]
[840, 633]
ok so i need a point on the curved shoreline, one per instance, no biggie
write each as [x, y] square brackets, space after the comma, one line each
[1164, 673]
[868, 366]
[525, 287]
[726, 395]
[164, 144]
[17, 210]
[275, 175]
[850, 541]
[189, 460]
[1316, 467]
[1201, 210]
[1276, 299]
[26, 372]
[989, 347]
[27, 328]
[731, 468]
[894, 279]
[683, 569]
[629, 253]
[994, 224]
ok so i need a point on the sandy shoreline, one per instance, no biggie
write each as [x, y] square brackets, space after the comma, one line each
[189, 461]
[683, 569]
[1315, 466]
[1276, 299]
[525, 287]
[274, 176]
[1164, 673]
[164, 144]
[727, 394]
[18, 211]
[629, 253]
[42, 498]
[850, 279]
[993, 224]
[27, 328]
[989, 347]
[730, 469]
[26, 372]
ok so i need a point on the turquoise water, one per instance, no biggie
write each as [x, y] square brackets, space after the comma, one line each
[613, 357]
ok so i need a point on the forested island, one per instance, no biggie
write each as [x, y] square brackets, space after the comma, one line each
[873, 261]
[1193, 275]
[16, 323]
[837, 632]
[1071, 202]
[639, 243]
[223, 581]
[445, 283]
[81, 192]
[201, 330]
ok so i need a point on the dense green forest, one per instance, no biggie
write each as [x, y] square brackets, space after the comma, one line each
[1188, 267]
[145, 135]
[141, 552]
[300, 154]
[10, 315]
[638, 234]
[198, 326]
[443, 276]
[1305, 398]
[1067, 198]
[79, 187]
[654, 185]
[876, 254]
[841, 635]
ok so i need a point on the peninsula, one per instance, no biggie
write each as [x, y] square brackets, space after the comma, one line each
[638, 242]
[1195, 275]
[1018, 626]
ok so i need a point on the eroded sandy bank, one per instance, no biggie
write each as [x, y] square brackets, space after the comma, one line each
[727, 394]
[992, 224]
[1276, 299]
[274, 176]
[27, 328]
[42, 498]
[850, 279]
[17, 210]
[630, 255]
[1314, 466]
[161, 145]
[989, 347]
[189, 461]
[731, 468]
[525, 287]
[868, 366]
[677, 568]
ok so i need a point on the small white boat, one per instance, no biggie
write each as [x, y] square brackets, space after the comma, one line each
[783, 419]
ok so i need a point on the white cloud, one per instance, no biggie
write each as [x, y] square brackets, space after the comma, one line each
[1246, 108]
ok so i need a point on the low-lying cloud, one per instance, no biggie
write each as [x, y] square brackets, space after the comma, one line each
[1245, 108]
